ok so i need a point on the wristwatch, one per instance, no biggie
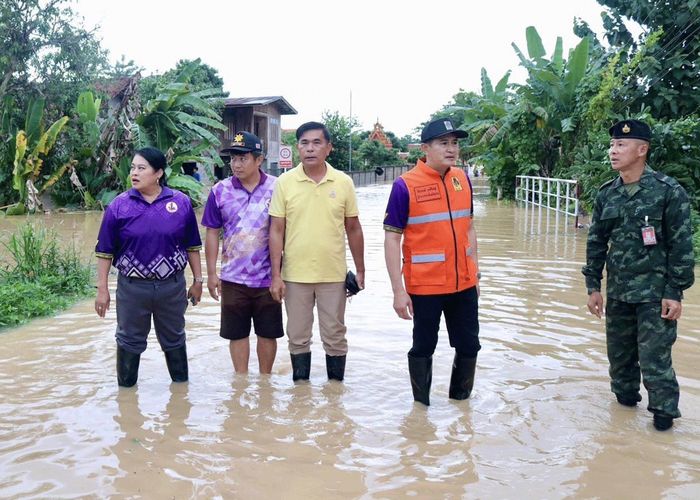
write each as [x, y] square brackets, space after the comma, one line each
[478, 275]
[199, 280]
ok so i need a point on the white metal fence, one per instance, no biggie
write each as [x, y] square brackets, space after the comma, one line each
[560, 195]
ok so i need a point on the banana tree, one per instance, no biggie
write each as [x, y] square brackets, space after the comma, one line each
[31, 147]
[550, 92]
[180, 122]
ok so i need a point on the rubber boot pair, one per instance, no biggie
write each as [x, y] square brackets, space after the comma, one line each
[128, 366]
[177, 364]
[301, 366]
[461, 381]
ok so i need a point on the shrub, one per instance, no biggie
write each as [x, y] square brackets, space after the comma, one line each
[41, 278]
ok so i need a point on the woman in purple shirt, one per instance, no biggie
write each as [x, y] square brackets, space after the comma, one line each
[149, 234]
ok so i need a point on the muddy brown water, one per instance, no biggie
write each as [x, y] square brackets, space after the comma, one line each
[541, 423]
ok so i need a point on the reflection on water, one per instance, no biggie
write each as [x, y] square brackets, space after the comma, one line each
[541, 422]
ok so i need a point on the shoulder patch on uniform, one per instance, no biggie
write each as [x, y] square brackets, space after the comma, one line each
[666, 179]
[605, 184]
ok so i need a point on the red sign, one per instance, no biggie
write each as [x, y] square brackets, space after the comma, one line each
[285, 157]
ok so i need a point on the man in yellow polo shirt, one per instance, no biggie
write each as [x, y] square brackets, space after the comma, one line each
[313, 207]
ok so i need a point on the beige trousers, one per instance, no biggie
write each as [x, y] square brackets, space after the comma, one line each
[329, 299]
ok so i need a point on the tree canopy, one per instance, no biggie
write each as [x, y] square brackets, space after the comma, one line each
[555, 124]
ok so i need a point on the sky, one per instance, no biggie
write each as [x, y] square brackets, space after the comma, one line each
[396, 61]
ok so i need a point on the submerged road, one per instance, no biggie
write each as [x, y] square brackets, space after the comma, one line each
[541, 423]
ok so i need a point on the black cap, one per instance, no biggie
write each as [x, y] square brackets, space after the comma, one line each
[631, 129]
[244, 142]
[438, 128]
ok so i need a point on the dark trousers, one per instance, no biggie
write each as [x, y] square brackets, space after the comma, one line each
[640, 340]
[138, 300]
[461, 311]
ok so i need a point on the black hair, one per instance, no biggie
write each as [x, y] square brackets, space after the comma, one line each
[156, 159]
[305, 127]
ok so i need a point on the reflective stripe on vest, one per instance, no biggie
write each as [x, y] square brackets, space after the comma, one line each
[440, 216]
[424, 258]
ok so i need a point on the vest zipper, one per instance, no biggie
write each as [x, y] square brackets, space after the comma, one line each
[454, 235]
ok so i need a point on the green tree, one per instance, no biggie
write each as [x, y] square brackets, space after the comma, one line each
[46, 51]
[201, 76]
[374, 154]
[550, 94]
[181, 122]
[405, 140]
[667, 78]
[123, 69]
[340, 128]
[289, 138]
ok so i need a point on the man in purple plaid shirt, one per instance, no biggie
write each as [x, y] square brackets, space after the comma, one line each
[239, 205]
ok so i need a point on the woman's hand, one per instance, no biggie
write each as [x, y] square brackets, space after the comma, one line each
[102, 302]
[194, 294]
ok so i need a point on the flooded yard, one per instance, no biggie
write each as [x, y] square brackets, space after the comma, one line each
[541, 422]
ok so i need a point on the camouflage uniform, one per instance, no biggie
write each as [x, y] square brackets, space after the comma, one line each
[639, 277]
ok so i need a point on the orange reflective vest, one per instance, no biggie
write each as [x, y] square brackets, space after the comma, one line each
[437, 255]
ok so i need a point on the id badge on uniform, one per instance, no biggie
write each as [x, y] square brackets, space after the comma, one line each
[648, 233]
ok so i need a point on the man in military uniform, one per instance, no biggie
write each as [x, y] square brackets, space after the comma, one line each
[641, 233]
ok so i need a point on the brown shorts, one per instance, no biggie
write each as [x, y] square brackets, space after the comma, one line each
[240, 304]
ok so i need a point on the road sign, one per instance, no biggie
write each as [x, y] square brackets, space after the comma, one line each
[285, 157]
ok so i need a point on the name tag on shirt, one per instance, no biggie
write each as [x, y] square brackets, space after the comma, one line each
[648, 236]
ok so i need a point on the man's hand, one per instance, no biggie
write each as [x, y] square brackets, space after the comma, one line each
[671, 309]
[214, 286]
[403, 305]
[277, 289]
[360, 277]
[595, 304]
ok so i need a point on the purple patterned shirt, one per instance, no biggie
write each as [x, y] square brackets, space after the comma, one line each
[148, 240]
[245, 258]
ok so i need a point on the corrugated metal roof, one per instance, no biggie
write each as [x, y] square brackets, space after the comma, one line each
[285, 107]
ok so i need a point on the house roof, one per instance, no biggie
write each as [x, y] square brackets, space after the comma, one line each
[281, 102]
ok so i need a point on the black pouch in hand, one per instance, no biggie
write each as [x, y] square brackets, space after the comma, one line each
[351, 284]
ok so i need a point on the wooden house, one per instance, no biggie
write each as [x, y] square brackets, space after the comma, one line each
[261, 116]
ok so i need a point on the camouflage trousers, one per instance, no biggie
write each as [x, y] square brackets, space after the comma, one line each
[639, 339]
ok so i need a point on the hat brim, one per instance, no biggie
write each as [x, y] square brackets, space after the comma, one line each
[628, 136]
[237, 149]
[459, 134]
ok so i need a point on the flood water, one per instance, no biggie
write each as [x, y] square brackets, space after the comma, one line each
[541, 423]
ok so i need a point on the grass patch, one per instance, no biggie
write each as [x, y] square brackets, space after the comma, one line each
[41, 277]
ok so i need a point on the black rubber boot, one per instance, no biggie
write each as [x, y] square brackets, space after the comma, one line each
[301, 366]
[421, 371]
[335, 367]
[177, 364]
[628, 401]
[462, 380]
[127, 367]
[662, 423]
